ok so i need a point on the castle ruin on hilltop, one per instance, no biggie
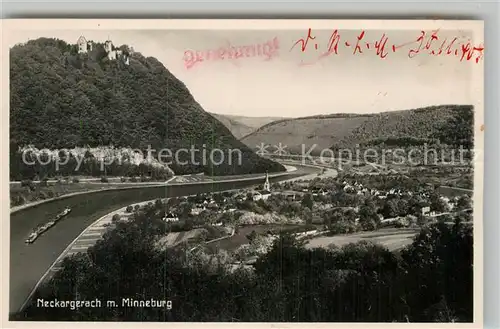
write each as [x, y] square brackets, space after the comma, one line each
[113, 53]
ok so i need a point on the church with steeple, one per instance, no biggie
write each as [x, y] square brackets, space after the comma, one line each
[267, 185]
[265, 192]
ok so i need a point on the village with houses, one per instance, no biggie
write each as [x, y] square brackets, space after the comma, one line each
[280, 236]
[314, 210]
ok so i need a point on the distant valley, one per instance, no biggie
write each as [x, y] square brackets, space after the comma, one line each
[242, 126]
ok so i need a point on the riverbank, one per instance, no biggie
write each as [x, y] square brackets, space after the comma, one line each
[326, 172]
[169, 182]
[103, 189]
[82, 242]
[28, 263]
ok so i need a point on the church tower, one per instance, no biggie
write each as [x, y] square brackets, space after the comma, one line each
[267, 186]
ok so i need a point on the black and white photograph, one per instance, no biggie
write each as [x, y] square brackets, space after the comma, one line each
[270, 171]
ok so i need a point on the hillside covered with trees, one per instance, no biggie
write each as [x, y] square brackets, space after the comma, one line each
[62, 99]
[345, 131]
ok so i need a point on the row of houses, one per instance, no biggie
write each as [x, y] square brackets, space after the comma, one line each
[359, 189]
[205, 203]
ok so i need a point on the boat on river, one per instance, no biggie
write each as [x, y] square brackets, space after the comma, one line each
[43, 228]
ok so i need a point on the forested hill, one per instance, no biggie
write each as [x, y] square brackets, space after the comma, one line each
[345, 131]
[62, 99]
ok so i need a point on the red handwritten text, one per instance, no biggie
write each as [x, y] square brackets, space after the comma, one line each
[357, 48]
[267, 50]
[303, 43]
[333, 45]
[430, 43]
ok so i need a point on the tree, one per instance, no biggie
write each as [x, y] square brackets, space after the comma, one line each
[115, 218]
[350, 215]
[403, 207]
[390, 208]
[439, 266]
[437, 203]
[158, 204]
[308, 201]
[307, 215]
[458, 130]
[415, 205]
[251, 236]
[368, 217]
[185, 208]
[463, 202]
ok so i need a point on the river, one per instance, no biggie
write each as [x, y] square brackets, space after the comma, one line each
[28, 263]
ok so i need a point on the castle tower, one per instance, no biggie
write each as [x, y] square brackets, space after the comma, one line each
[82, 45]
[267, 185]
[108, 47]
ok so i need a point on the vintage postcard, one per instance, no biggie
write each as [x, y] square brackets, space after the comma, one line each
[270, 171]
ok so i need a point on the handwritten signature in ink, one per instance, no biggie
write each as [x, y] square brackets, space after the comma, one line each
[426, 42]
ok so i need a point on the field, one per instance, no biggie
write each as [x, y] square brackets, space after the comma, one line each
[174, 238]
[240, 238]
[451, 192]
[393, 239]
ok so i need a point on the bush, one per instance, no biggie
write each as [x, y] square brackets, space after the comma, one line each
[129, 209]
[133, 180]
[104, 180]
[27, 182]
[123, 179]
[115, 218]
[368, 224]
[17, 200]
[137, 207]
[341, 227]
[251, 236]
[76, 180]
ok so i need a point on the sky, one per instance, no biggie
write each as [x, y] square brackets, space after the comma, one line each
[281, 87]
